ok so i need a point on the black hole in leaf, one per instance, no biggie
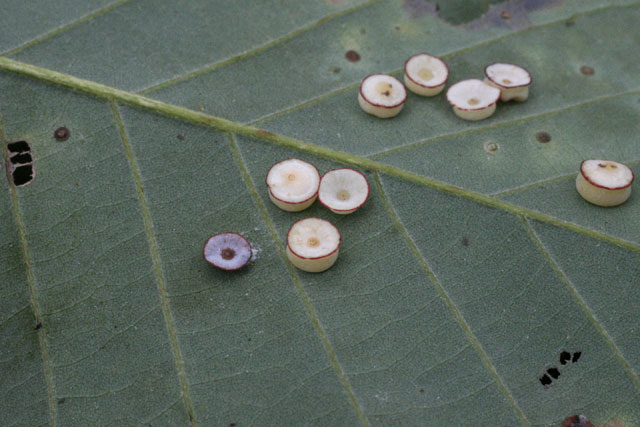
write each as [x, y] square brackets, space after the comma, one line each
[21, 158]
[554, 373]
[545, 380]
[18, 147]
[22, 175]
[565, 356]
[576, 356]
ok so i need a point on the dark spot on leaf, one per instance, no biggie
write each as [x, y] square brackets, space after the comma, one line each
[336, 70]
[576, 356]
[397, 27]
[565, 356]
[181, 137]
[465, 241]
[386, 93]
[602, 165]
[61, 401]
[38, 325]
[18, 147]
[576, 421]
[232, 425]
[22, 175]
[352, 56]
[543, 137]
[554, 373]
[505, 14]
[587, 71]
[249, 339]
[545, 380]
[61, 134]
[191, 417]
[570, 22]
[421, 390]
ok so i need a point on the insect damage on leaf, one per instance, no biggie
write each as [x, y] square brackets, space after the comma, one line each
[20, 165]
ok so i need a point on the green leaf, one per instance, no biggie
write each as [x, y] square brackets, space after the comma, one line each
[459, 283]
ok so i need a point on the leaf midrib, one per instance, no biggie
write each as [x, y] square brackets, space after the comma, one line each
[224, 125]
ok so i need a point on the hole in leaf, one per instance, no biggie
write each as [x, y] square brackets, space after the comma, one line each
[22, 175]
[545, 380]
[576, 356]
[18, 147]
[554, 373]
[21, 158]
[565, 356]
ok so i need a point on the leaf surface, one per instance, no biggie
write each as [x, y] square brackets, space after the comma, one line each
[459, 283]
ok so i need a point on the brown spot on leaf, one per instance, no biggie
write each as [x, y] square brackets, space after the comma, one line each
[352, 56]
[38, 325]
[576, 421]
[336, 70]
[505, 14]
[543, 137]
[181, 137]
[266, 133]
[61, 134]
[587, 71]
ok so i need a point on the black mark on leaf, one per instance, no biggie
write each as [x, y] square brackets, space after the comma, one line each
[61, 401]
[576, 356]
[38, 326]
[465, 241]
[565, 356]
